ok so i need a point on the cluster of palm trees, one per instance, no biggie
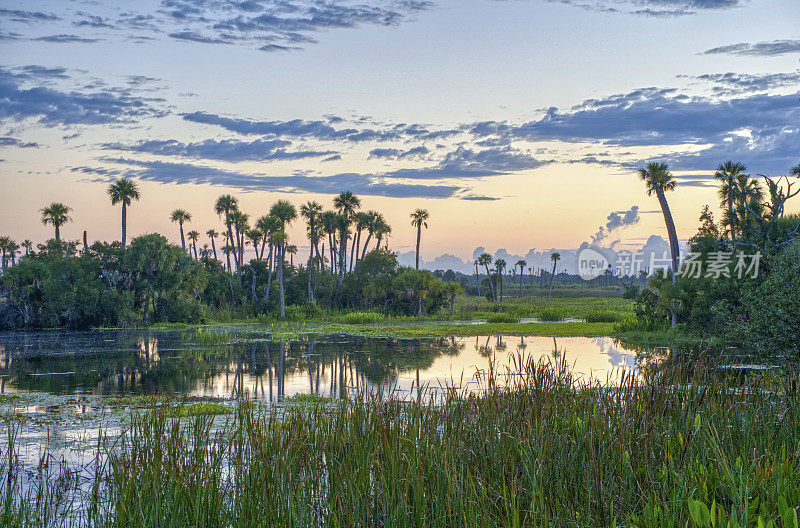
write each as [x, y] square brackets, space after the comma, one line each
[10, 249]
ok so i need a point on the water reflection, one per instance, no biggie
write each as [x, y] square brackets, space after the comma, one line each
[148, 362]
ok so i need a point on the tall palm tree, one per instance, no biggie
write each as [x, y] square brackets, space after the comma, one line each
[181, 216]
[728, 173]
[56, 214]
[212, 235]
[193, 236]
[13, 249]
[345, 203]
[285, 212]
[328, 221]
[240, 226]
[224, 206]
[555, 257]
[373, 219]
[521, 265]
[419, 219]
[484, 260]
[255, 235]
[658, 179]
[362, 220]
[28, 246]
[500, 266]
[382, 231]
[123, 191]
[311, 212]
[278, 240]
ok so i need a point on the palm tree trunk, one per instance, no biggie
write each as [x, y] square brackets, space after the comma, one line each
[673, 244]
[491, 286]
[354, 248]
[521, 271]
[183, 240]
[194, 248]
[270, 259]
[552, 276]
[366, 244]
[124, 223]
[419, 235]
[58, 233]
[281, 250]
[730, 210]
[214, 248]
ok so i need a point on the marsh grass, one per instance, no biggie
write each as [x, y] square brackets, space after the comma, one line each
[534, 447]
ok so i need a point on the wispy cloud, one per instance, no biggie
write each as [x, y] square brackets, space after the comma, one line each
[225, 150]
[759, 49]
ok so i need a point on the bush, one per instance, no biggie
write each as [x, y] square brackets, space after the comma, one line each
[602, 317]
[550, 314]
[362, 318]
[502, 318]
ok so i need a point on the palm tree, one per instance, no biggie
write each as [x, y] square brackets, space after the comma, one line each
[795, 171]
[373, 219]
[285, 213]
[521, 265]
[56, 214]
[212, 234]
[382, 230]
[328, 221]
[728, 173]
[419, 219]
[484, 260]
[278, 240]
[362, 220]
[555, 257]
[28, 246]
[193, 236]
[255, 235]
[181, 216]
[311, 211]
[123, 191]
[500, 266]
[225, 205]
[346, 203]
[5, 242]
[658, 179]
[240, 226]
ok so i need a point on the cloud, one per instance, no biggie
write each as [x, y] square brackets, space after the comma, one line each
[17, 15]
[391, 153]
[468, 163]
[735, 83]
[652, 8]
[757, 129]
[93, 21]
[196, 37]
[67, 39]
[317, 129]
[55, 107]
[759, 49]
[14, 142]
[184, 173]
[225, 150]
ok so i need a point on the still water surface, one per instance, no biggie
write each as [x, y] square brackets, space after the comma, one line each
[113, 362]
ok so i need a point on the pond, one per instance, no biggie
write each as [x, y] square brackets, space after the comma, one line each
[115, 363]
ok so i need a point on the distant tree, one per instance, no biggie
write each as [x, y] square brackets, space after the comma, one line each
[28, 246]
[224, 207]
[212, 235]
[193, 236]
[419, 219]
[123, 191]
[555, 257]
[181, 216]
[484, 260]
[521, 265]
[311, 212]
[346, 204]
[5, 243]
[56, 214]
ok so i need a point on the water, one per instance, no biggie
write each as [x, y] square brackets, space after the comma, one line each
[116, 363]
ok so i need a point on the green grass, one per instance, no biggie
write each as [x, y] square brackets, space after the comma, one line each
[501, 318]
[537, 448]
[195, 409]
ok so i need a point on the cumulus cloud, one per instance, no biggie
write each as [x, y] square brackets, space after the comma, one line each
[14, 142]
[736, 83]
[616, 221]
[759, 49]
[225, 150]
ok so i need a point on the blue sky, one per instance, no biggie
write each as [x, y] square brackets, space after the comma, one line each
[517, 123]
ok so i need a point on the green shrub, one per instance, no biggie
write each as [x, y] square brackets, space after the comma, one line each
[362, 318]
[602, 317]
[550, 314]
[502, 318]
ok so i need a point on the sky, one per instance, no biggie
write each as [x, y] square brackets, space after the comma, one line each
[519, 124]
